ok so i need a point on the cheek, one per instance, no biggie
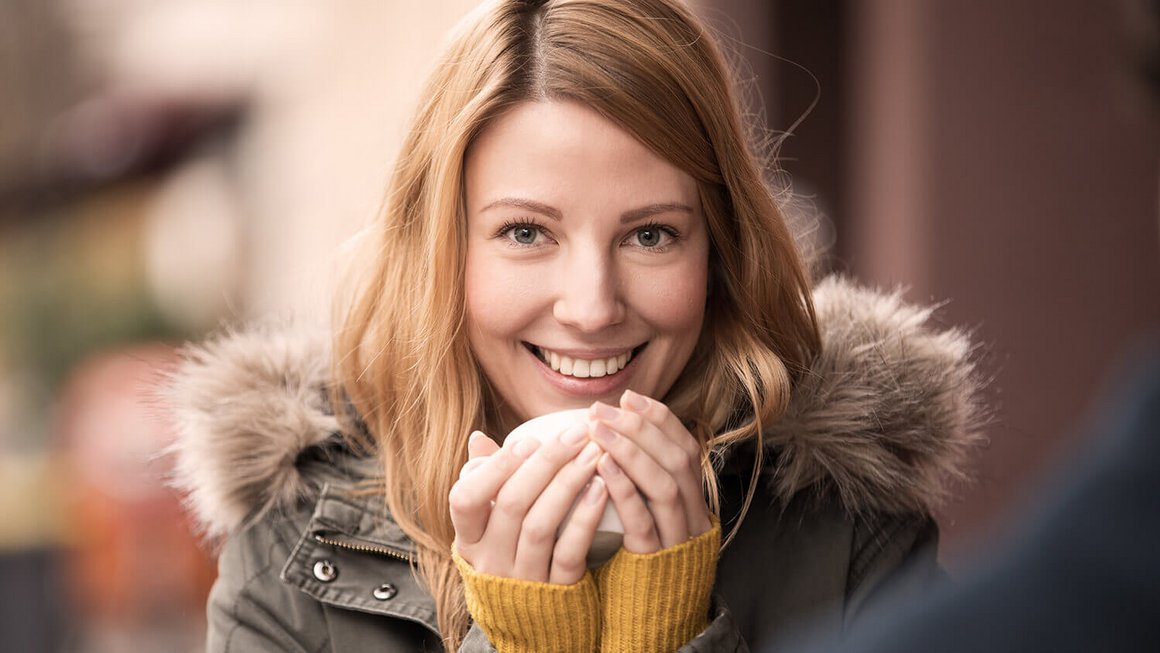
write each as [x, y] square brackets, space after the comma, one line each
[675, 301]
[483, 293]
[498, 297]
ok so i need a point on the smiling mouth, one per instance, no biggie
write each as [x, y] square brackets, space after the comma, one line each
[582, 368]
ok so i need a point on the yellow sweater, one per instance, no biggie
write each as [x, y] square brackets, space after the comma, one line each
[635, 602]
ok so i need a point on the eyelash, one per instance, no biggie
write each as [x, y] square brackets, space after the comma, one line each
[510, 225]
[672, 233]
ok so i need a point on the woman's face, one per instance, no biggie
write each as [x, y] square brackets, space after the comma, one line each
[587, 261]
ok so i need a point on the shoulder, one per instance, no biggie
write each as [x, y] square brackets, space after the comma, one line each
[250, 608]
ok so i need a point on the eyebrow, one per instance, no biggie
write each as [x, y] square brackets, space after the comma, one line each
[531, 205]
[554, 213]
[654, 209]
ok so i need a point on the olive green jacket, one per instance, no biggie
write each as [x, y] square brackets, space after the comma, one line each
[875, 429]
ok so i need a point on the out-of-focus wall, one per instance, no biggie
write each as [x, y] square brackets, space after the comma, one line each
[1001, 157]
[1004, 159]
[327, 88]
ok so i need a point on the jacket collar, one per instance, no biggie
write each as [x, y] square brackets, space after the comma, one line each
[883, 419]
[351, 554]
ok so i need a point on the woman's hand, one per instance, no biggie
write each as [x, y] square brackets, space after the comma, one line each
[509, 503]
[653, 471]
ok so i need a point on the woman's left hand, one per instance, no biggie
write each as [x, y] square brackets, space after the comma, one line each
[652, 467]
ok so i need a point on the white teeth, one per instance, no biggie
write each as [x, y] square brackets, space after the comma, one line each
[583, 368]
[596, 368]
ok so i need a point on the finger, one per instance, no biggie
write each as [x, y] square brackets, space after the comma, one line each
[471, 497]
[518, 494]
[640, 533]
[537, 537]
[677, 451]
[659, 433]
[470, 466]
[656, 484]
[653, 426]
[478, 444]
[658, 414]
[692, 483]
[569, 557]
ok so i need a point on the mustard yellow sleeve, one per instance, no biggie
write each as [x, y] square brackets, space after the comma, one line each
[657, 601]
[521, 616]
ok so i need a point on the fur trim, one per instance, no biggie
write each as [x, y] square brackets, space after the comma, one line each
[888, 413]
[884, 419]
[245, 406]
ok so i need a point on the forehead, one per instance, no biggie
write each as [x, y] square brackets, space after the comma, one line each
[559, 150]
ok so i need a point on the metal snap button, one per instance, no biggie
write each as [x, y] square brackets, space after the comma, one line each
[325, 571]
[385, 592]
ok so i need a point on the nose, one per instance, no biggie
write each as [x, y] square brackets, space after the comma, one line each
[588, 297]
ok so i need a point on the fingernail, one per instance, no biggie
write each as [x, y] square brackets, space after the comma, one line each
[526, 447]
[575, 434]
[608, 466]
[475, 435]
[595, 490]
[589, 453]
[604, 411]
[602, 433]
[635, 401]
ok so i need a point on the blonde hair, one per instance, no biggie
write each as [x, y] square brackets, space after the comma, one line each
[404, 361]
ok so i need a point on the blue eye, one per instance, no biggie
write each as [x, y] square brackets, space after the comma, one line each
[654, 236]
[524, 235]
[649, 237]
[521, 233]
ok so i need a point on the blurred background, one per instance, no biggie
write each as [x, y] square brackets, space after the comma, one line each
[167, 165]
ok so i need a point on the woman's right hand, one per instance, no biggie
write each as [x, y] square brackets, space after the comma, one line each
[509, 503]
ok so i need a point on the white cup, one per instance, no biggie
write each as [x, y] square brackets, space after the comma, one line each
[610, 531]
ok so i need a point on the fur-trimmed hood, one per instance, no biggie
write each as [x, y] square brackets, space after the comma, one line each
[884, 418]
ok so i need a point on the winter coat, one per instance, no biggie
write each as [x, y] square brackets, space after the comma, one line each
[875, 428]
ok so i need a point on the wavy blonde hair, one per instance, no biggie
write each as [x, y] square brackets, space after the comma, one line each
[404, 361]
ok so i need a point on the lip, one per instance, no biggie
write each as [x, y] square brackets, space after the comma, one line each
[590, 388]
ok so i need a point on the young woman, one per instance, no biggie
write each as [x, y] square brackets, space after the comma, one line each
[577, 221]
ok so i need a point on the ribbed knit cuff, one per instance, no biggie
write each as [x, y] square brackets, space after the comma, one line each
[657, 601]
[521, 616]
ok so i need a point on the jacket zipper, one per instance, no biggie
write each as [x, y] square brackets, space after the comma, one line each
[365, 548]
